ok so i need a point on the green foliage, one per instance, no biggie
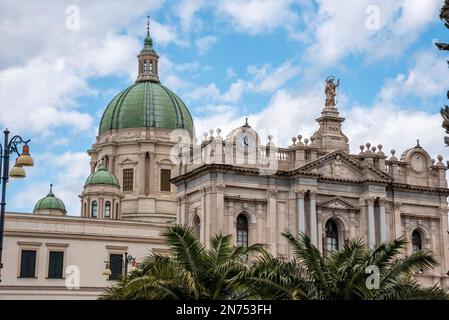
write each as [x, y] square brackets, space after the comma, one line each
[223, 271]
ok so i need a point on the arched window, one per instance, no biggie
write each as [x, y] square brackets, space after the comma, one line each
[106, 162]
[242, 231]
[107, 209]
[151, 67]
[331, 239]
[94, 210]
[145, 66]
[416, 241]
[197, 227]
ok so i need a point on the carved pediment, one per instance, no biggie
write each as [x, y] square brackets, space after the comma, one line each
[337, 203]
[128, 161]
[342, 166]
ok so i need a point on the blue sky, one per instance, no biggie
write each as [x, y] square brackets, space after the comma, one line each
[62, 62]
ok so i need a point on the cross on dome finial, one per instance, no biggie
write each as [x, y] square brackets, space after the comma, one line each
[51, 187]
[148, 24]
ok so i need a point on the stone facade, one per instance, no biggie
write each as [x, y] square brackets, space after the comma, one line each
[147, 152]
[305, 186]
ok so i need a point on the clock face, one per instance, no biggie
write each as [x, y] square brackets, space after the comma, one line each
[418, 162]
[245, 142]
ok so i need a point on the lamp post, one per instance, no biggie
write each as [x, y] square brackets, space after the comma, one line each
[128, 259]
[23, 160]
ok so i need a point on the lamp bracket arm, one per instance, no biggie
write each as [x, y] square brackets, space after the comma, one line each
[14, 142]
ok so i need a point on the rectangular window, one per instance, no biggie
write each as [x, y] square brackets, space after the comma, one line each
[165, 180]
[128, 179]
[28, 264]
[116, 266]
[55, 264]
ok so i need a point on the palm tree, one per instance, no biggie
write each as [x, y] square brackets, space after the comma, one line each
[192, 271]
[342, 274]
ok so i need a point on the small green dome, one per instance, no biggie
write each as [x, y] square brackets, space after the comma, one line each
[146, 104]
[102, 176]
[50, 202]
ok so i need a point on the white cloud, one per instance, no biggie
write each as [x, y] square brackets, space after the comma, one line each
[40, 96]
[341, 28]
[67, 172]
[255, 16]
[187, 10]
[269, 80]
[423, 79]
[205, 43]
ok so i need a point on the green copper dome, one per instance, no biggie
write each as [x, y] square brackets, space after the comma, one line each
[50, 202]
[102, 176]
[146, 104]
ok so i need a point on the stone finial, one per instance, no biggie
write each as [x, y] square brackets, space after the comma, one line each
[270, 141]
[374, 149]
[299, 143]
[380, 153]
[218, 137]
[294, 141]
[368, 146]
[433, 162]
[306, 141]
[440, 161]
[393, 157]
[211, 132]
[312, 141]
[362, 147]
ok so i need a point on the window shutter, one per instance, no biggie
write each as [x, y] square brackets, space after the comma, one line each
[28, 264]
[55, 264]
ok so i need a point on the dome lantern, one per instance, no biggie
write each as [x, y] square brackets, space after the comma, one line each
[148, 60]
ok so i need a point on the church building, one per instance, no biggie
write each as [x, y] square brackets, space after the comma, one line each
[147, 171]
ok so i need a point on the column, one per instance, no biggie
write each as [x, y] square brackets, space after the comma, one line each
[313, 219]
[207, 220]
[300, 212]
[382, 221]
[397, 219]
[139, 175]
[272, 228]
[219, 207]
[371, 227]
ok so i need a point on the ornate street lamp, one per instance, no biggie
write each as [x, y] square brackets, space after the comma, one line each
[24, 159]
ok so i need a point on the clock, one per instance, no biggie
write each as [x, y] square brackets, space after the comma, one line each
[418, 162]
[245, 142]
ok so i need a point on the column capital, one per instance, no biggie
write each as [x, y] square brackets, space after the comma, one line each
[220, 187]
[300, 194]
[382, 202]
[397, 205]
[313, 194]
[370, 201]
[271, 193]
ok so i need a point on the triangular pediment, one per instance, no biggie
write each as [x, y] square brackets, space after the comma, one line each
[337, 203]
[339, 165]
